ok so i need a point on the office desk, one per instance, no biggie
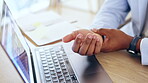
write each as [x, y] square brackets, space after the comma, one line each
[8, 73]
[121, 67]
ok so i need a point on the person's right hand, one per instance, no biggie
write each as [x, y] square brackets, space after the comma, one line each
[73, 35]
[86, 42]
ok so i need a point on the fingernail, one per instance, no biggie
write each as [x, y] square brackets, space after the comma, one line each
[90, 36]
[94, 29]
[98, 39]
[80, 36]
[94, 37]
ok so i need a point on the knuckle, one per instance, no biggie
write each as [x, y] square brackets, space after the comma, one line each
[81, 53]
[101, 29]
[111, 30]
[78, 41]
[75, 32]
[89, 54]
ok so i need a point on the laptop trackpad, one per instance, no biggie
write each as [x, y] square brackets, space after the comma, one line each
[87, 68]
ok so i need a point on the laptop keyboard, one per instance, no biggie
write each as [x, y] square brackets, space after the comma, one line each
[56, 66]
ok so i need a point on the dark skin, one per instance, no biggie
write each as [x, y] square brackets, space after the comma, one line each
[115, 40]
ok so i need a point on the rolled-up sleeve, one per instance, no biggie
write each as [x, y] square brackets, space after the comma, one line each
[111, 14]
[144, 51]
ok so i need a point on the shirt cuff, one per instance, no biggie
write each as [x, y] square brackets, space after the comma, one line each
[144, 51]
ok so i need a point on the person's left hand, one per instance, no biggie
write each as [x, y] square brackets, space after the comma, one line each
[114, 39]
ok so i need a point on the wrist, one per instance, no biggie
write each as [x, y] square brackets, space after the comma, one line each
[138, 45]
[134, 46]
[128, 42]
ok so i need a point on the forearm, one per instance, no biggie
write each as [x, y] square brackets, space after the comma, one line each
[112, 14]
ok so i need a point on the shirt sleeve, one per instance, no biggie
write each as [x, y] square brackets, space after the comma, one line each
[111, 14]
[144, 51]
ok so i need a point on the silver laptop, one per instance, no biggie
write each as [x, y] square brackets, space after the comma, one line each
[47, 64]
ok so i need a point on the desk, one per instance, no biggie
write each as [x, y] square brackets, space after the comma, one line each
[8, 73]
[121, 67]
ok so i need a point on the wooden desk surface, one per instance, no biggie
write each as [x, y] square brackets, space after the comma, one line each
[121, 67]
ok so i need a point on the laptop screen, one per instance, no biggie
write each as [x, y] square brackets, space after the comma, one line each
[12, 45]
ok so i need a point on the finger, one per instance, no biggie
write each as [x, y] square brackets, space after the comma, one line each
[85, 45]
[105, 45]
[91, 48]
[98, 46]
[70, 37]
[94, 30]
[77, 43]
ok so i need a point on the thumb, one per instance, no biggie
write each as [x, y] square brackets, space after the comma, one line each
[70, 37]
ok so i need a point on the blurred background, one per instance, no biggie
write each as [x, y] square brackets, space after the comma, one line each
[80, 11]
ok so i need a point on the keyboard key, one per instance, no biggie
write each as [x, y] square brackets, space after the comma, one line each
[67, 78]
[62, 81]
[58, 71]
[49, 60]
[43, 57]
[45, 68]
[66, 74]
[51, 66]
[55, 60]
[46, 72]
[44, 62]
[61, 77]
[55, 81]
[48, 57]
[64, 67]
[51, 69]
[47, 75]
[48, 80]
[68, 81]
[53, 73]
[50, 63]
[54, 76]
[45, 65]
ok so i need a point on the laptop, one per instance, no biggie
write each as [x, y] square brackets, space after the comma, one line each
[47, 64]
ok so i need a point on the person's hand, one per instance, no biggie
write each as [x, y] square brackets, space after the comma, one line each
[73, 35]
[86, 42]
[88, 45]
[114, 39]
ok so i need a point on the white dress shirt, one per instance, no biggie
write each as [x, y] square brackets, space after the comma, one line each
[114, 12]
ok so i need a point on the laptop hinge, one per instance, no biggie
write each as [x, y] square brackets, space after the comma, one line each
[33, 69]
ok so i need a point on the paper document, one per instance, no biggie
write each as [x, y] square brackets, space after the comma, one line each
[45, 27]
